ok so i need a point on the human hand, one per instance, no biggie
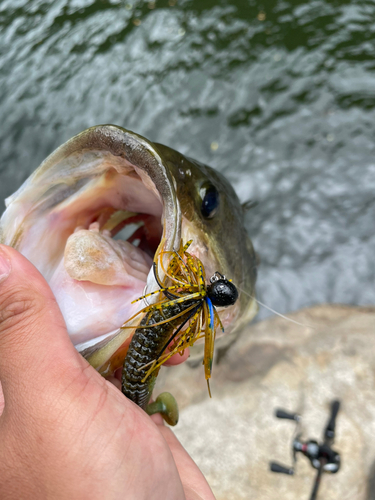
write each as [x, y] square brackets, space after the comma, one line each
[66, 432]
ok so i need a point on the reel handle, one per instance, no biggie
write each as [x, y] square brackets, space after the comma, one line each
[330, 429]
[275, 467]
[284, 414]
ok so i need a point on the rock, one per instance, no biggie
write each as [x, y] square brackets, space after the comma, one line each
[276, 363]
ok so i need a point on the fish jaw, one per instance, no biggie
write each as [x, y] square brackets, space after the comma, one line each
[61, 217]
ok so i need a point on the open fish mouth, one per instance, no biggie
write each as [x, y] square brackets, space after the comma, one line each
[100, 215]
[93, 217]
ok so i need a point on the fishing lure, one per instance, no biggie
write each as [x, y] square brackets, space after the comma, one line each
[185, 313]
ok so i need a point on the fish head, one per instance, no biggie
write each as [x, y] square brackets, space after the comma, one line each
[100, 209]
[213, 218]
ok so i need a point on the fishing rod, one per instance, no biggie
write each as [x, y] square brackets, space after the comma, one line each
[321, 456]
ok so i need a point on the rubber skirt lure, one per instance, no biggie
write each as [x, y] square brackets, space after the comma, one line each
[184, 313]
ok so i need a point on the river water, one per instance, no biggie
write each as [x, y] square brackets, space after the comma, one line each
[279, 96]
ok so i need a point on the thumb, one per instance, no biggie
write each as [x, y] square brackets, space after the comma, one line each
[34, 343]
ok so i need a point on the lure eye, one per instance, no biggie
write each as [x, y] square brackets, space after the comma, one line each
[210, 200]
[222, 293]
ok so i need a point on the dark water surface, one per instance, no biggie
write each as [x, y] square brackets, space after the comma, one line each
[280, 96]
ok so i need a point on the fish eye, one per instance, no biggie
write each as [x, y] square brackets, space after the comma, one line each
[210, 200]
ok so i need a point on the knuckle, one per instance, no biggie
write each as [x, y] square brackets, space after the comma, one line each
[18, 308]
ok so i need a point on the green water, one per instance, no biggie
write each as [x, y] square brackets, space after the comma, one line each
[278, 95]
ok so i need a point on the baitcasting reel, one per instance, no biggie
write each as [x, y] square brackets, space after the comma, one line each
[322, 457]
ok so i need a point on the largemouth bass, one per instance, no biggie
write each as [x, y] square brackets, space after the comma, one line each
[99, 210]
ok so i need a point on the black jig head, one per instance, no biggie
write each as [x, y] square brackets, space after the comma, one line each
[221, 291]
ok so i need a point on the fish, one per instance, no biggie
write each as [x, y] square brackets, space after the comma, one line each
[96, 214]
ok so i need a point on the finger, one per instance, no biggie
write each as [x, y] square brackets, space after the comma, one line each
[194, 483]
[115, 381]
[34, 342]
[177, 359]
[1, 400]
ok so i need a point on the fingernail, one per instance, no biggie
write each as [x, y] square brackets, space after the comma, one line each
[5, 266]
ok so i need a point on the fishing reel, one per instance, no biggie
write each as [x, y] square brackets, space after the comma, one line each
[321, 456]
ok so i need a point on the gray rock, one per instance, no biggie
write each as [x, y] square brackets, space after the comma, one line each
[276, 363]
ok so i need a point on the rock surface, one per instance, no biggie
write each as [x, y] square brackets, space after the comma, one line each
[276, 363]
